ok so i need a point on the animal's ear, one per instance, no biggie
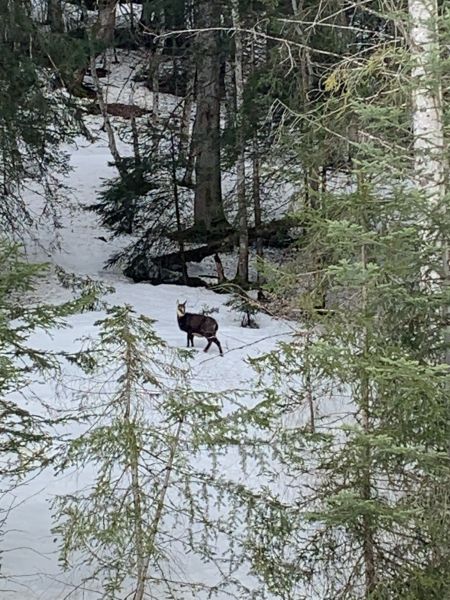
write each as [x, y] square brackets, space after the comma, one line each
[178, 303]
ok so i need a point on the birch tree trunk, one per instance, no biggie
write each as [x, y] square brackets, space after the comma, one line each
[430, 160]
[242, 273]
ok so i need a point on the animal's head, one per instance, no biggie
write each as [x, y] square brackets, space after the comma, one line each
[181, 308]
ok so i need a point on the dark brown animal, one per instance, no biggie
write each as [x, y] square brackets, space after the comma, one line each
[199, 325]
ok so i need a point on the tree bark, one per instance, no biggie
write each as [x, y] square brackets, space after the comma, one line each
[256, 192]
[368, 542]
[154, 71]
[55, 16]
[186, 149]
[431, 165]
[219, 268]
[100, 37]
[103, 29]
[256, 182]
[208, 208]
[178, 213]
[242, 272]
[106, 120]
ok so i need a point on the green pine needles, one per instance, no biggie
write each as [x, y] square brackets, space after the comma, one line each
[26, 438]
[368, 487]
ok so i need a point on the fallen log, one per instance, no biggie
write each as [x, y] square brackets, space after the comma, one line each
[266, 231]
[117, 109]
[168, 268]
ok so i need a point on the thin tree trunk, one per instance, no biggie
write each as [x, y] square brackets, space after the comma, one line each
[230, 95]
[190, 160]
[102, 33]
[308, 386]
[256, 184]
[155, 84]
[186, 120]
[178, 214]
[151, 535]
[144, 538]
[135, 133]
[431, 165]
[366, 476]
[219, 268]
[106, 120]
[154, 71]
[240, 167]
[133, 464]
[256, 193]
[186, 149]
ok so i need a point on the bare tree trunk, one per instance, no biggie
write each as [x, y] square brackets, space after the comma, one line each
[55, 16]
[256, 183]
[100, 36]
[190, 159]
[133, 459]
[186, 149]
[151, 535]
[135, 133]
[154, 70]
[240, 167]
[155, 83]
[230, 94]
[181, 246]
[256, 192]
[208, 207]
[366, 476]
[186, 119]
[431, 165]
[103, 30]
[219, 268]
[106, 120]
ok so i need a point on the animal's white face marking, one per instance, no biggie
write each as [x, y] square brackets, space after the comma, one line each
[181, 308]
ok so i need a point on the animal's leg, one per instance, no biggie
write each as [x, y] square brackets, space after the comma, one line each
[216, 341]
[208, 344]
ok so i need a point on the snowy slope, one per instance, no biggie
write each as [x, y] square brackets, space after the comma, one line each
[30, 559]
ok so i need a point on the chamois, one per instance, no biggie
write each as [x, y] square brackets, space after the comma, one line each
[199, 325]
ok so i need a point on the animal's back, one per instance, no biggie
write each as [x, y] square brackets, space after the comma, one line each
[201, 323]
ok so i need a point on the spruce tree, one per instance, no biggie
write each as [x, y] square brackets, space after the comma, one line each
[27, 434]
[143, 455]
[35, 118]
[362, 512]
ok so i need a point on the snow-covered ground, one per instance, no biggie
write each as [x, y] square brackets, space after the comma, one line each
[30, 559]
